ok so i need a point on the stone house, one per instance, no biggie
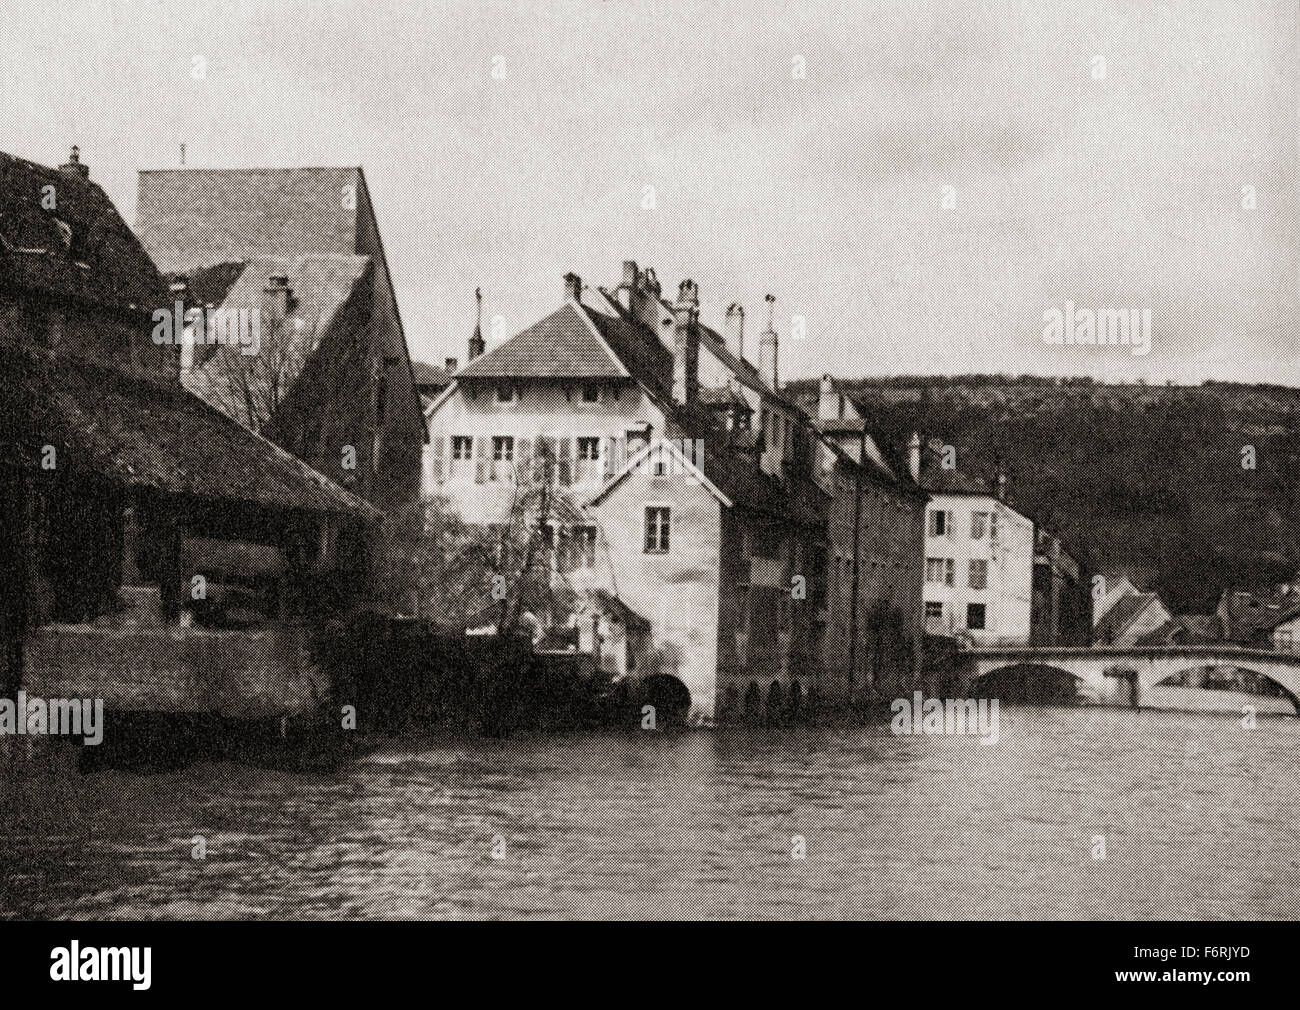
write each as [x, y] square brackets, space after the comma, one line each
[695, 501]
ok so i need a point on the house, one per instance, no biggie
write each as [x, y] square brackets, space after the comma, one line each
[690, 472]
[298, 253]
[876, 537]
[160, 555]
[993, 576]
[1249, 616]
[1135, 618]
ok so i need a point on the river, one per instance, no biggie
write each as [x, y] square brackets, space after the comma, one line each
[1200, 819]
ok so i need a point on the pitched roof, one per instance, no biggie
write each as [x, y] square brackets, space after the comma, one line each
[564, 344]
[144, 433]
[187, 217]
[79, 248]
[1125, 611]
[320, 286]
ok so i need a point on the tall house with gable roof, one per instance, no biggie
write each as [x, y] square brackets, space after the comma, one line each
[694, 511]
[331, 379]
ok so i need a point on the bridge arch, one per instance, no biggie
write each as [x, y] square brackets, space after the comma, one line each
[670, 697]
[1027, 681]
[1232, 677]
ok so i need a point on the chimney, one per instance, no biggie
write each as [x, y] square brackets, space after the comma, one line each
[629, 289]
[74, 165]
[767, 347]
[277, 296]
[914, 457]
[829, 404]
[736, 329]
[476, 345]
[572, 288]
[686, 348]
[450, 365]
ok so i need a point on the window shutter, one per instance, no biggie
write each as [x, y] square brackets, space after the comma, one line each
[523, 459]
[482, 458]
[564, 455]
[440, 458]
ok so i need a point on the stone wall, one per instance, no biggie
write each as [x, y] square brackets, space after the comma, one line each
[237, 674]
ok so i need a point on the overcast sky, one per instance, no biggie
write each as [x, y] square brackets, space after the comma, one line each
[1111, 183]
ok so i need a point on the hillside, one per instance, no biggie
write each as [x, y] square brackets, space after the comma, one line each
[1144, 478]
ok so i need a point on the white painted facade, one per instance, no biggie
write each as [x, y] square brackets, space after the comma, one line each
[964, 572]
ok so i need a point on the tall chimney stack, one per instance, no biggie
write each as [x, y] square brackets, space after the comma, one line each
[829, 404]
[686, 350]
[277, 296]
[914, 457]
[736, 330]
[767, 347]
[74, 165]
[476, 343]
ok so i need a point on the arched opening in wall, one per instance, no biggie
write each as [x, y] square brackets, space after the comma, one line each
[775, 703]
[794, 707]
[1027, 684]
[669, 696]
[753, 702]
[729, 705]
[1225, 688]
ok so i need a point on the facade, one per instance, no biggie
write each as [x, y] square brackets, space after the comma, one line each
[160, 555]
[685, 477]
[992, 575]
[300, 251]
[876, 539]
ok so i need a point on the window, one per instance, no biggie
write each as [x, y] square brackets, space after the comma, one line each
[505, 394]
[590, 393]
[462, 447]
[588, 448]
[933, 611]
[977, 523]
[940, 522]
[503, 449]
[656, 530]
[939, 570]
[979, 574]
[975, 616]
[582, 547]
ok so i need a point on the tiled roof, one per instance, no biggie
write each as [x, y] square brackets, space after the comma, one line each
[197, 217]
[95, 257]
[937, 480]
[562, 345]
[320, 286]
[144, 433]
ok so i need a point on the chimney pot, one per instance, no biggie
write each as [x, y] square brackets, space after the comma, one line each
[768, 348]
[686, 344]
[736, 330]
[74, 165]
[572, 287]
[450, 365]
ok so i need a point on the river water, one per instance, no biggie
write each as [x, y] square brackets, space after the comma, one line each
[1200, 819]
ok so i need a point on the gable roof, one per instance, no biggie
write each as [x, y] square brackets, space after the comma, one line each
[565, 344]
[1121, 616]
[320, 286]
[93, 257]
[147, 434]
[197, 217]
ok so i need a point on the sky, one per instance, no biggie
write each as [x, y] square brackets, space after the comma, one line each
[917, 183]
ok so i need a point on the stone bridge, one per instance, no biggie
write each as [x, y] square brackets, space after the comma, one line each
[1111, 675]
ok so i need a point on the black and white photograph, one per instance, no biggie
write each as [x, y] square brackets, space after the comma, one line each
[656, 461]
